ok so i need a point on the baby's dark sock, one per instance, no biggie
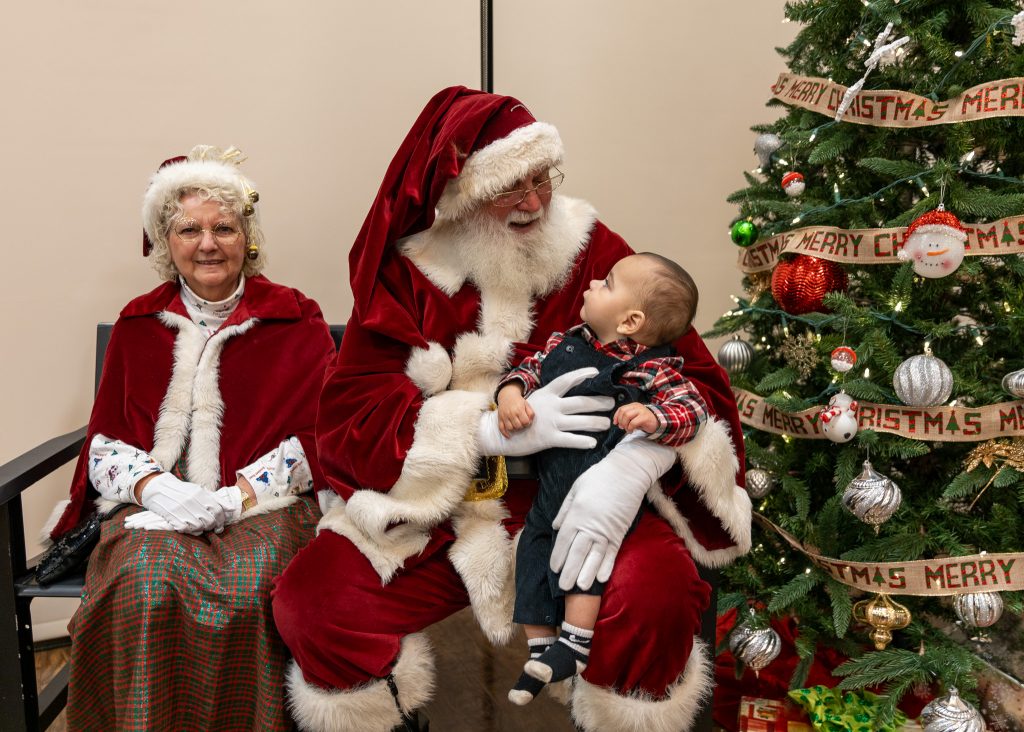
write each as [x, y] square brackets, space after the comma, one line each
[568, 657]
[527, 687]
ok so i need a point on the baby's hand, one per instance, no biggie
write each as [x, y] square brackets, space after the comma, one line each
[635, 416]
[514, 412]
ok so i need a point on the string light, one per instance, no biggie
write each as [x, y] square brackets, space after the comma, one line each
[958, 54]
[867, 372]
[898, 307]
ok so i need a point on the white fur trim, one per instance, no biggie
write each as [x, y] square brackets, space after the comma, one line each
[437, 469]
[479, 361]
[501, 164]
[482, 555]
[710, 463]
[105, 505]
[370, 707]
[192, 406]
[51, 521]
[386, 552]
[169, 181]
[597, 709]
[429, 368]
[268, 505]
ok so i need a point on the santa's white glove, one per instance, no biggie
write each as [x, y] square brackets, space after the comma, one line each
[186, 507]
[555, 418]
[600, 506]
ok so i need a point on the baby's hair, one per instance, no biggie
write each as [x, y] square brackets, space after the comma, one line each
[668, 299]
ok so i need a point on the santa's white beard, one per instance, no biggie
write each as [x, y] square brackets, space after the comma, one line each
[494, 255]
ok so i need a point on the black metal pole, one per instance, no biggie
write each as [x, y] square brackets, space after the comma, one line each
[487, 45]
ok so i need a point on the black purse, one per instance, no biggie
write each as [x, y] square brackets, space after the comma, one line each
[71, 551]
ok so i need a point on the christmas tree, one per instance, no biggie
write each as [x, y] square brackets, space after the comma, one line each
[879, 344]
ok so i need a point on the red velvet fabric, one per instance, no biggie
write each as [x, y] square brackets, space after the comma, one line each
[270, 378]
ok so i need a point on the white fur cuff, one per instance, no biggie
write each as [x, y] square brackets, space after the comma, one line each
[370, 707]
[596, 709]
[430, 369]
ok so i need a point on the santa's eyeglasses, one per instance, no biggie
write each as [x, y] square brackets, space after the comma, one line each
[508, 199]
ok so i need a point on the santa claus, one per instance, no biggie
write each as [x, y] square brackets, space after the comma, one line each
[466, 262]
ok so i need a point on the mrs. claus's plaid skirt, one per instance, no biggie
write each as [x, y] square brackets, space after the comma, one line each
[175, 632]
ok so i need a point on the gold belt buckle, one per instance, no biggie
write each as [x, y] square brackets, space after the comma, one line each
[494, 483]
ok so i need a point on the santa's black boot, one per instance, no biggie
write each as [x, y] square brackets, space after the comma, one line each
[411, 721]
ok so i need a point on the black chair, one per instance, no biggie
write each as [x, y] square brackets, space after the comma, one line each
[25, 707]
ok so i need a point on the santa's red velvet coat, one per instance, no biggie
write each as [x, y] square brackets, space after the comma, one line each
[158, 359]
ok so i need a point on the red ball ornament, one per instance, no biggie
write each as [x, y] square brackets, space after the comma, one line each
[799, 285]
[843, 359]
[793, 183]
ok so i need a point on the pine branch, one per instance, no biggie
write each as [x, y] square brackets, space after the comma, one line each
[793, 591]
[842, 606]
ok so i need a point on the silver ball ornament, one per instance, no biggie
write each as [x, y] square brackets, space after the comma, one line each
[950, 713]
[759, 483]
[735, 355]
[764, 145]
[755, 647]
[979, 609]
[1013, 383]
[872, 497]
[923, 381]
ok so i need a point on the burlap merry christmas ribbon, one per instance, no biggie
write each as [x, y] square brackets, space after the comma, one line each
[875, 246]
[923, 577]
[933, 424]
[892, 108]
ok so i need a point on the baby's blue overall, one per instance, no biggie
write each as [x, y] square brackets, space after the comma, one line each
[539, 600]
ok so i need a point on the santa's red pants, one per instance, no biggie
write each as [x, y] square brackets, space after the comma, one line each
[344, 628]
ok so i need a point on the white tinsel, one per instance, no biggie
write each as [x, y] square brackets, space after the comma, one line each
[883, 55]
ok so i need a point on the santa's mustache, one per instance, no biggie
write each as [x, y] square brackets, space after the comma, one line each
[524, 217]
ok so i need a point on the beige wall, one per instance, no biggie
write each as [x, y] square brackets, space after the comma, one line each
[653, 100]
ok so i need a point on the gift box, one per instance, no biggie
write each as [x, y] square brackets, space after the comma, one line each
[771, 715]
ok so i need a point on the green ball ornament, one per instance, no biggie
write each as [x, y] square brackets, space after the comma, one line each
[744, 233]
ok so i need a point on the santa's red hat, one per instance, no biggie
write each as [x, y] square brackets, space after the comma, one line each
[465, 147]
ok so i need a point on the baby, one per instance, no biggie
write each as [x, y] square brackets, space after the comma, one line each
[630, 320]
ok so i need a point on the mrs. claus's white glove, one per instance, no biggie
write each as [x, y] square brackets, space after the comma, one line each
[555, 418]
[600, 506]
[186, 507]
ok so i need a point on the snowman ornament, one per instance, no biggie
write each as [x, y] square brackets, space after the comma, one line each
[839, 418]
[935, 243]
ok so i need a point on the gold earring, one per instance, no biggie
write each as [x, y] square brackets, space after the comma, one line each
[252, 251]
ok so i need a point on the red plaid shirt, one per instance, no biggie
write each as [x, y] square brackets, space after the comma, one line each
[674, 399]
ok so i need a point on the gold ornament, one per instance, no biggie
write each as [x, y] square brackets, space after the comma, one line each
[252, 251]
[884, 616]
[248, 210]
[758, 284]
[801, 352]
[995, 452]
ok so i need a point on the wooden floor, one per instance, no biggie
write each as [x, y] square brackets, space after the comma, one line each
[48, 663]
[473, 682]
